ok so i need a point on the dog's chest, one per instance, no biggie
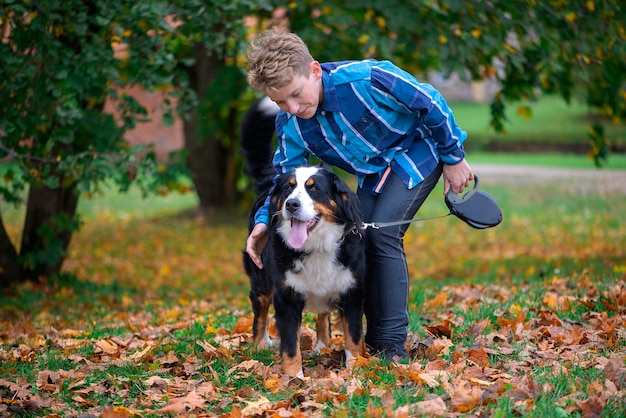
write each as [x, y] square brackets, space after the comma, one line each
[321, 279]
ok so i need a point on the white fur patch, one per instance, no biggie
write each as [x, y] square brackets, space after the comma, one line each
[318, 275]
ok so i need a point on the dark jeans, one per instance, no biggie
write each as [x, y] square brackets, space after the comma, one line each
[387, 277]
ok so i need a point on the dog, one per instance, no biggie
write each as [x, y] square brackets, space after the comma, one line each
[314, 259]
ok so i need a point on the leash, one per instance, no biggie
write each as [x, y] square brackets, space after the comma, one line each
[476, 208]
[378, 225]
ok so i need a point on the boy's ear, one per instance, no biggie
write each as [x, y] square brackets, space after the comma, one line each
[316, 69]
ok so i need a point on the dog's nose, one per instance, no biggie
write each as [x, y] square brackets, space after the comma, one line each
[292, 205]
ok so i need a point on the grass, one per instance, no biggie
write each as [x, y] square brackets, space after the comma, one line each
[151, 292]
[614, 161]
[168, 281]
[552, 122]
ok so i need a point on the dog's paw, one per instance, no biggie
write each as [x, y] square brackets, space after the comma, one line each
[264, 342]
[350, 359]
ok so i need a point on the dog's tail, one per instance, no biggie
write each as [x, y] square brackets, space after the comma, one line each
[257, 143]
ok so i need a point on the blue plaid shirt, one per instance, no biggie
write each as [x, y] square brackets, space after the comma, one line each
[374, 118]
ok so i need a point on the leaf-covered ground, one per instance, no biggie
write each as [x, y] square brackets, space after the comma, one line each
[152, 318]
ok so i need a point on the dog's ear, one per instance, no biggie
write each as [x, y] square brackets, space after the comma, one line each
[275, 196]
[350, 204]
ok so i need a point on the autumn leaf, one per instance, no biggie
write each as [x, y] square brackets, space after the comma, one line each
[432, 407]
[464, 397]
[188, 403]
[442, 330]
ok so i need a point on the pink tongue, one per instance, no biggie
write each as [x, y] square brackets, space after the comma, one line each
[298, 234]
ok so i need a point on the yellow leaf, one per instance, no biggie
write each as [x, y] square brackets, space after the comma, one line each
[591, 6]
[437, 301]
[480, 382]
[380, 21]
[107, 347]
[570, 17]
[140, 356]
[510, 48]
[165, 270]
[515, 309]
[273, 384]
[364, 38]
[476, 33]
[71, 333]
[525, 112]
[443, 39]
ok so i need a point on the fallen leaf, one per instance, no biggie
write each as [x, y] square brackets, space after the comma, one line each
[592, 407]
[464, 398]
[432, 407]
[258, 407]
[440, 331]
[180, 405]
[615, 371]
[104, 346]
[478, 356]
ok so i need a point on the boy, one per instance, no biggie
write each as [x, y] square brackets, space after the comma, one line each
[376, 121]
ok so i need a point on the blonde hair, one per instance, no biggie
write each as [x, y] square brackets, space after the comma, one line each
[275, 58]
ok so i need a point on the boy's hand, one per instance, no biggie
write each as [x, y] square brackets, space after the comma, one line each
[457, 177]
[256, 243]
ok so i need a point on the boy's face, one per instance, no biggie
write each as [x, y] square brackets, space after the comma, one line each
[303, 95]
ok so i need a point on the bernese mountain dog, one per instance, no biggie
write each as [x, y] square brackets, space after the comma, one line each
[314, 258]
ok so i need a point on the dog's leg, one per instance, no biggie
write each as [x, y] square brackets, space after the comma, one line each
[292, 365]
[289, 307]
[352, 330]
[261, 307]
[322, 329]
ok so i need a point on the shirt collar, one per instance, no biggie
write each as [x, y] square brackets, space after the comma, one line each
[330, 103]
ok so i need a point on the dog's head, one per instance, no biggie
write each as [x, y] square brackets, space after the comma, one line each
[311, 199]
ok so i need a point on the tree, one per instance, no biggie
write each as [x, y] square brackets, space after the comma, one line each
[564, 47]
[58, 66]
[208, 43]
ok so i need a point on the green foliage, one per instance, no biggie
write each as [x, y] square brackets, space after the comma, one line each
[529, 47]
[60, 62]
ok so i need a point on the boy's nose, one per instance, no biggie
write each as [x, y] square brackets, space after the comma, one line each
[293, 107]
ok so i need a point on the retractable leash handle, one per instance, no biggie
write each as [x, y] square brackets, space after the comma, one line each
[476, 208]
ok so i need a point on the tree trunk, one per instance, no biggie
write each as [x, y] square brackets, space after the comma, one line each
[209, 161]
[48, 227]
[10, 269]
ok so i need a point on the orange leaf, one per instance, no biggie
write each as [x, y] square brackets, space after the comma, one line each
[438, 300]
[243, 325]
[478, 356]
[465, 398]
